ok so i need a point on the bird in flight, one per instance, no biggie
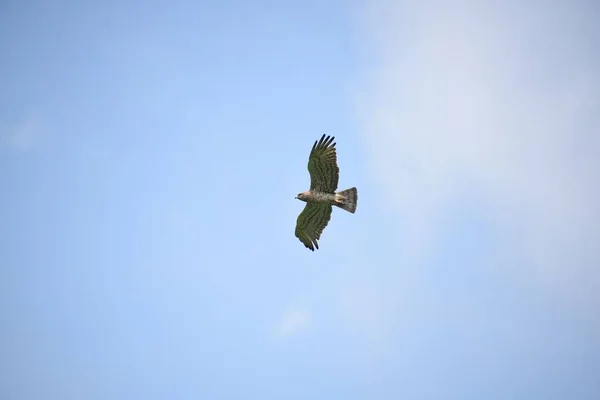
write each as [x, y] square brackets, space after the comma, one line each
[322, 195]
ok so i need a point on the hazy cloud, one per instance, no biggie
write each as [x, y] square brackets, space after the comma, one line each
[494, 102]
[23, 134]
[293, 321]
[490, 110]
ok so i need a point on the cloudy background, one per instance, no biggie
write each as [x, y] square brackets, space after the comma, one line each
[149, 157]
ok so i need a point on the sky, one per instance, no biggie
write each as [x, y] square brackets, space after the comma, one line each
[150, 153]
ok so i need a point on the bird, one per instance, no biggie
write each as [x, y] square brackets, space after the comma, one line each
[324, 175]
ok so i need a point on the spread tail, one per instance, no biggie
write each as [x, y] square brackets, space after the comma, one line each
[347, 199]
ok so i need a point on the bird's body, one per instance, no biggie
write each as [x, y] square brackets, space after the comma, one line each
[318, 197]
[322, 195]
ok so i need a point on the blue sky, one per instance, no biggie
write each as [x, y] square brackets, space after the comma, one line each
[150, 153]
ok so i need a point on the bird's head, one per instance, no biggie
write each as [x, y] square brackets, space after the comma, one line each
[300, 196]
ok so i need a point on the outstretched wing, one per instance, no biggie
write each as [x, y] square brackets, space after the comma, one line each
[311, 222]
[322, 166]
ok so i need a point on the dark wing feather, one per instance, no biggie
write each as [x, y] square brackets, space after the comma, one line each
[311, 222]
[322, 166]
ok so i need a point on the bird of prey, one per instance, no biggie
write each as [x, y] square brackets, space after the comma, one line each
[324, 175]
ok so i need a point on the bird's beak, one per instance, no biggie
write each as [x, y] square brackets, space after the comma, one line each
[296, 197]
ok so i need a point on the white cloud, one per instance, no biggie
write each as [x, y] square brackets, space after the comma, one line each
[498, 101]
[293, 321]
[24, 134]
